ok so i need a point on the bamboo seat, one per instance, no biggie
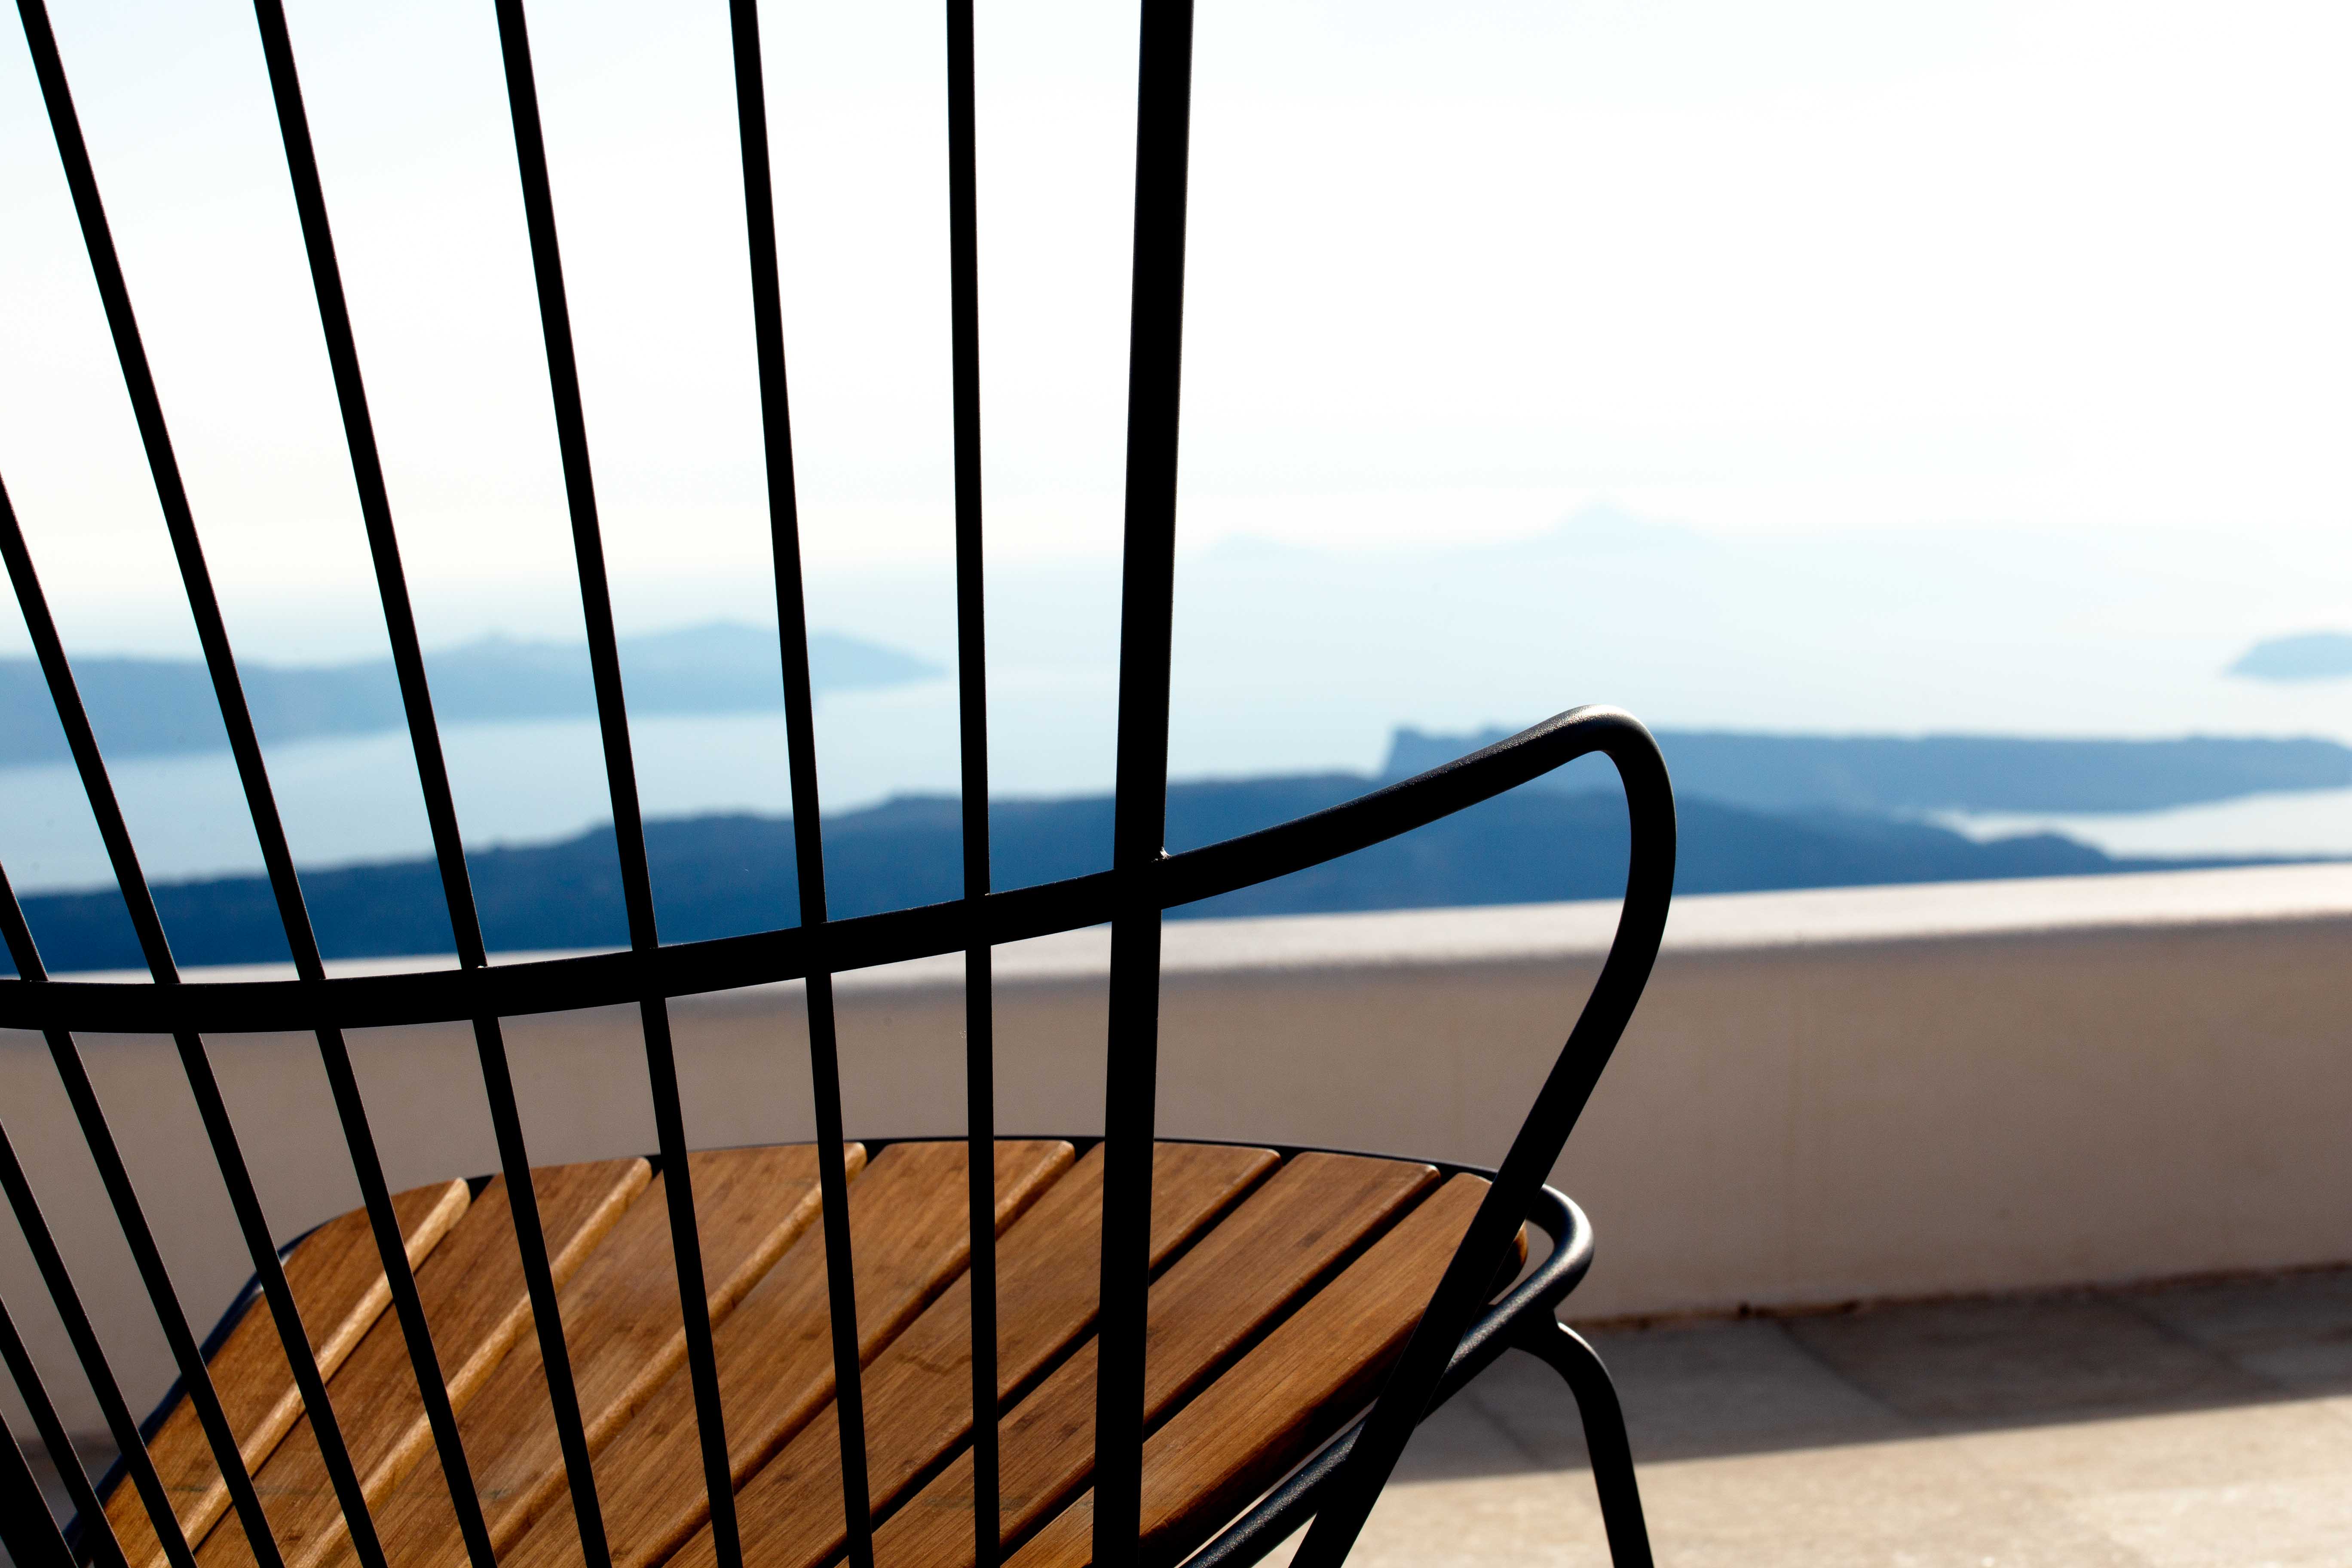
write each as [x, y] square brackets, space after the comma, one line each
[1283, 1290]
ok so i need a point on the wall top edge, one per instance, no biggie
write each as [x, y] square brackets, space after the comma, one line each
[1701, 923]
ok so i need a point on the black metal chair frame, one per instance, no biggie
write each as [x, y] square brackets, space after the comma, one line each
[1460, 1331]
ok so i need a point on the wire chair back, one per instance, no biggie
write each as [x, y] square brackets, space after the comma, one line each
[1141, 883]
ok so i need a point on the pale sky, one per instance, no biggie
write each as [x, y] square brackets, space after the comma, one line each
[1896, 367]
[1455, 272]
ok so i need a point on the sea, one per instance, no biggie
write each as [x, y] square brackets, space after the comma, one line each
[352, 800]
[2302, 822]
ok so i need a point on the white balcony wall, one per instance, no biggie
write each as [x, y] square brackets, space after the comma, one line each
[1825, 1096]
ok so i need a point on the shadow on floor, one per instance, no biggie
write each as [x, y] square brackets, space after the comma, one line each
[2186, 1426]
[1884, 1373]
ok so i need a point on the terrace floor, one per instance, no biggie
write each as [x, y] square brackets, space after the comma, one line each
[2192, 1424]
[2198, 1425]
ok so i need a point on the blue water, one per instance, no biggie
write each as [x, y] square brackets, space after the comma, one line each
[2304, 822]
[352, 800]
[1296, 660]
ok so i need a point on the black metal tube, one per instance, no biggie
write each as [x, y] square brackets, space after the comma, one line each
[972, 707]
[1155, 360]
[861, 941]
[613, 725]
[1571, 1355]
[433, 776]
[27, 1529]
[799, 729]
[59, 1442]
[1277, 1515]
[169, 1316]
[1143, 881]
[38, 1240]
[1648, 887]
[252, 1223]
[277, 858]
[120, 1424]
[91, 1117]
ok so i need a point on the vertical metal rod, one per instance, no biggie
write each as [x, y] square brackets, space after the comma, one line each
[432, 769]
[27, 1529]
[1155, 347]
[95, 1528]
[1534, 1151]
[91, 1117]
[269, 830]
[1571, 1355]
[620, 767]
[972, 701]
[800, 732]
[211, 1108]
[120, 1424]
[185, 1352]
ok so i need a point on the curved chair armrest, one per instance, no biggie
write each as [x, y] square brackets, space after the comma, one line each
[727, 963]
[1273, 1519]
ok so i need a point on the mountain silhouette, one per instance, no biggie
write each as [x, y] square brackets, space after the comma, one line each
[144, 707]
[726, 874]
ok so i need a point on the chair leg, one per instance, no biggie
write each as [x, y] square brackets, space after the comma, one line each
[1579, 1364]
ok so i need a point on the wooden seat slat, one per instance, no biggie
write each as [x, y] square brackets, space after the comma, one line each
[337, 1278]
[622, 1328]
[919, 1391]
[1294, 1286]
[1304, 1220]
[909, 1228]
[471, 1288]
[1287, 1396]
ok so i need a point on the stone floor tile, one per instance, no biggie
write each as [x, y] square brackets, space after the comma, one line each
[2222, 1445]
[1463, 1439]
[2303, 1521]
[1688, 1391]
[1692, 1392]
[1910, 1504]
[2192, 1427]
[2020, 1359]
[2293, 1329]
[1894, 1505]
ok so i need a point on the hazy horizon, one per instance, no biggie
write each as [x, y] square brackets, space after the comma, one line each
[1843, 368]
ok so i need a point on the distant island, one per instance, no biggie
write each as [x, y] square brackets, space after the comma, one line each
[146, 706]
[2308, 656]
[720, 876]
[1757, 811]
[1910, 776]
